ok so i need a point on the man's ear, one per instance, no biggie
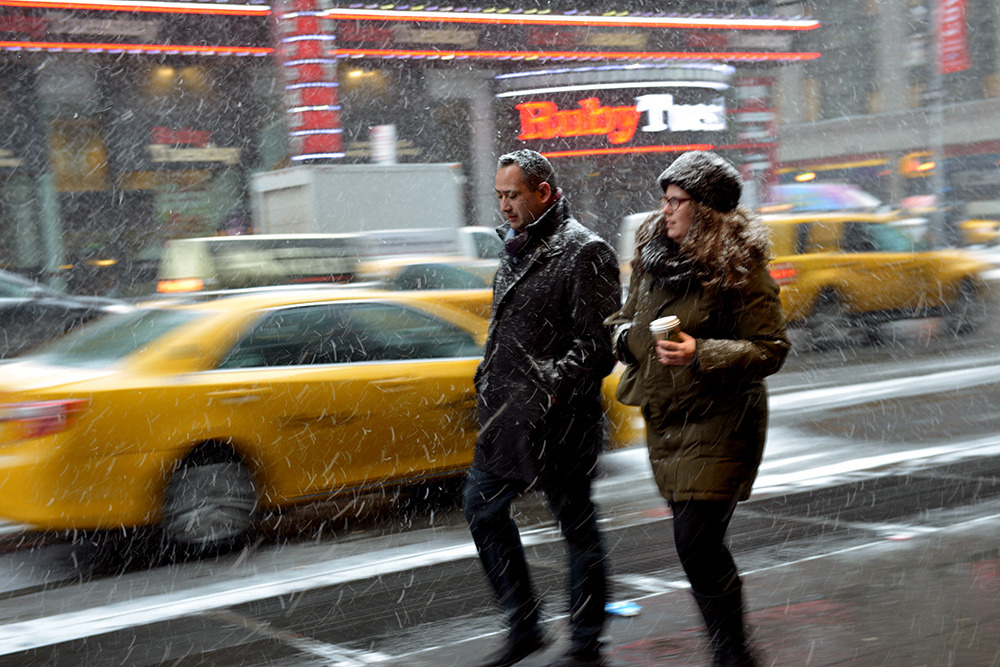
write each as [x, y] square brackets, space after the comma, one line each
[545, 190]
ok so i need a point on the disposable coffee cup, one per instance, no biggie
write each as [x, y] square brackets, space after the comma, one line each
[665, 328]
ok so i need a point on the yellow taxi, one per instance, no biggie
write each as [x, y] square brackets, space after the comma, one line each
[846, 268]
[192, 414]
[459, 281]
[979, 232]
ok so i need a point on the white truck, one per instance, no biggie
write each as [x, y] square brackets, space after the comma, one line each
[337, 199]
[397, 209]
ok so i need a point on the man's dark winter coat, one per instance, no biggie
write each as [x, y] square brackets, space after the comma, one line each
[547, 351]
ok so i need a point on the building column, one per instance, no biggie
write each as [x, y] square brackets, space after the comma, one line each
[891, 50]
[484, 134]
[475, 88]
[309, 76]
[51, 228]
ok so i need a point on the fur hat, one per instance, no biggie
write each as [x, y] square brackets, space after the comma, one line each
[707, 177]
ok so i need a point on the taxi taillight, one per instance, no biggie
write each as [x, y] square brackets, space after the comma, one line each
[783, 273]
[179, 285]
[36, 419]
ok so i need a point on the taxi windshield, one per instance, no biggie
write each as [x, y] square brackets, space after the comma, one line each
[114, 337]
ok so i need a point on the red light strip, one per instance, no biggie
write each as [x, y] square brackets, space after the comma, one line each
[145, 48]
[138, 6]
[753, 56]
[633, 149]
[565, 20]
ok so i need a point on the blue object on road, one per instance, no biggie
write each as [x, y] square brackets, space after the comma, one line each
[622, 608]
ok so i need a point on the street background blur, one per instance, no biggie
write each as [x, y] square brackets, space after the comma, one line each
[152, 147]
[130, 124]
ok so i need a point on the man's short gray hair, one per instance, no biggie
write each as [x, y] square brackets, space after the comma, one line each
[535, 167]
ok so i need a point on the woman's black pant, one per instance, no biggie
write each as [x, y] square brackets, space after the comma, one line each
[699, 533]
[700, 537]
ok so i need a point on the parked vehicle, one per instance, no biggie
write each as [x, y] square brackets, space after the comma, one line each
[31, 313]
[253, 260]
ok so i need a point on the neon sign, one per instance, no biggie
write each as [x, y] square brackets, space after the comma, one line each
[664, 114]
[544, 119]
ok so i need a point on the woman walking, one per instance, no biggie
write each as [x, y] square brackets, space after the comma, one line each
[703, 259]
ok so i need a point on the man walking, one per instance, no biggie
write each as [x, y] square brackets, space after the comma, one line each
[540, 415]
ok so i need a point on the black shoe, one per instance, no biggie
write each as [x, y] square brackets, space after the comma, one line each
[515, 650]
[581, 660]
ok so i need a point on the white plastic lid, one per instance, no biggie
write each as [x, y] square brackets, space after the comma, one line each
[665, 323]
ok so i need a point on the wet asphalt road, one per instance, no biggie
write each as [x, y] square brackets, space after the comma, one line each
[851, 457]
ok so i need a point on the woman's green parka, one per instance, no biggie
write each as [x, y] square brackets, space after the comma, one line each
[705, 422]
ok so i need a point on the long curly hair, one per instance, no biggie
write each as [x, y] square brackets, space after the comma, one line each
[723, 248]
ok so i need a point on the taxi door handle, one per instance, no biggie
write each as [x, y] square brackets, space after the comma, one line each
[395, 384]
[238, 396]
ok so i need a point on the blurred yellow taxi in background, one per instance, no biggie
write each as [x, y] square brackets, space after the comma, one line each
[458, 281]
[847, 268]
[191, 414]
[979, 232]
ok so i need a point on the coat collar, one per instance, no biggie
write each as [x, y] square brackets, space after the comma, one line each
[540, 248]
[542, 228]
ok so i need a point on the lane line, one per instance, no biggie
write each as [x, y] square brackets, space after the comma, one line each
[338, 656]
[58, 628]
[854, 394]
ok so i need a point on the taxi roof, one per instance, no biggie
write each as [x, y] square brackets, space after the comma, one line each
[452, 302]
[829, 216]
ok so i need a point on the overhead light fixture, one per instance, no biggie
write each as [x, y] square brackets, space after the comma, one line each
[108, 47]
[740, 56]
[144, 6]
[578, 20]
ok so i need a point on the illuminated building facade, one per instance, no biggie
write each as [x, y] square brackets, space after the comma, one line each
[129, 122]
[905, 103]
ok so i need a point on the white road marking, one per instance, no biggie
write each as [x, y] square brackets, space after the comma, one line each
[336, 656]
[49, 630]
[854, 394]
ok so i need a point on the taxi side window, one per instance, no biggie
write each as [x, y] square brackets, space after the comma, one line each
[802, 238]
[437, 276]
[890, 239]
[347, 333]
[488, 245]
[875, 237]
[404, 333]
[300, 335]
[858, 238]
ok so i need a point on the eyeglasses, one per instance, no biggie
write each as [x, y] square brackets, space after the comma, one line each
[671, 204]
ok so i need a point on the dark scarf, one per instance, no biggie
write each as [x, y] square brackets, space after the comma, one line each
[671, 270]
[515, 244]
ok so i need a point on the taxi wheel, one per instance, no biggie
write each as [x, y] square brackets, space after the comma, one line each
[967, 312]
[209, 506]
[828, 327]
